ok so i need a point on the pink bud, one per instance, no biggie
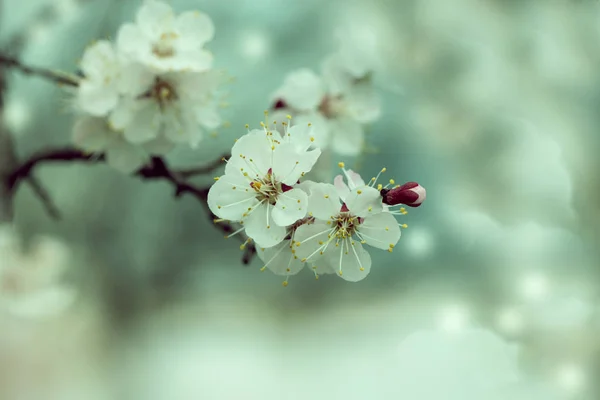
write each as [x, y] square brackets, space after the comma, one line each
[410, 194]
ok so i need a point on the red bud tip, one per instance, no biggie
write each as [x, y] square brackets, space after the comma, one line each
[410, 194]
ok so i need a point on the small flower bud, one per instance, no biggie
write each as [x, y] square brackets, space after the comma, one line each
[279, 104]
[411, 194]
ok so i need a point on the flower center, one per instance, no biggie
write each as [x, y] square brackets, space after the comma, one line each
[163, 92]
[332, 107]
[267, 189]
[164, 47]
[345, 225]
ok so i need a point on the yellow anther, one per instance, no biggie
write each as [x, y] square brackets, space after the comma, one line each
[247, 126]
[216, 178]
[379, 187]
[359, 191]
[242, 247]
[288, 116]
[392, 181]
[285, 283]
[303, 260]
[312, 139]
[262, 124]
[362, 269]
[370, 208]
[341, 165]
[340, 273]
[263, 269]
[404, 226]
[383, 169]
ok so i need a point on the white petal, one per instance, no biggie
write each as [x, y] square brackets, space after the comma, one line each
[98, 60]
[322, 267]
[159, 146]
[196, 60]
[323, 201]
[132, 41]
[351, 261]
[261, 227]
[43, 303]
[230, 197]
[364, 201]
[97, 100]
[320, 128]
[208, 117]
[155, 18]
[280, 259]
[347, 136]
[380, 230]
[312, 239]
[197, 85]
[252, 152]
[354, 179]
[194, 28]
[179, 125]
[363, 103]
[91, 134]
[289, 165]
[145, 124]
[302, 90]
[126, 157]
[135, 79]
[290, 207]
[342, 189]
[337, 79]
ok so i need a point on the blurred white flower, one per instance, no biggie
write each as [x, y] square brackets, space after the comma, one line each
[98, 91]
[560, 313]
[94, 135]
[174, 105]
[338, 104]
[258, 185]
[345, 219]
[166, 42]
[30, 282]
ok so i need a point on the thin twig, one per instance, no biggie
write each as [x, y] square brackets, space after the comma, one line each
[156, 169]
[203, 170]
[56, 77]
[44, 196]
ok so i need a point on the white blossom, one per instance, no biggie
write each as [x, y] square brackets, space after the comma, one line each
[258, 186]
[345, 219]
[337, 103]
[175, 106]
[98, 91]
[29, 281]
[164, 41]
[94, 135]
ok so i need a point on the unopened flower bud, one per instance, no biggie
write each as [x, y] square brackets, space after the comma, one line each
[411, 194]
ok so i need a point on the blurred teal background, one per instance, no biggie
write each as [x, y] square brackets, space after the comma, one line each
[491, 105]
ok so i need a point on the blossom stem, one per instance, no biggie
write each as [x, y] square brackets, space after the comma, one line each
[59, 78]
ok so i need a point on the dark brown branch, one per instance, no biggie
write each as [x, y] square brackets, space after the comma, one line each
[157, 169]
[56, 77]
[203, 170]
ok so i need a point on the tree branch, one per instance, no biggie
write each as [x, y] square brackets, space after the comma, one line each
[56, 77]
[156, 169]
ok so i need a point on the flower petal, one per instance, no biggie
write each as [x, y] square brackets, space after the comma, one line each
[159, 145]
[208, 117]
[230, 197]
[347, 136]
[320, 128]
[194, 28]
[352, 262]
[132, 41]
[155, 18]
[261, 227]
[95, 99]
[302, 90]
[354, 179]
[290, 207]
[380, 230]
[323, 200]
[280, 259]
[289, 165]
[91, 134]
[145, 124]
[126, 157]
[342, 189]
[364, 201]
[99, 60]
[310, 240]
[363, 103]
[252, 152]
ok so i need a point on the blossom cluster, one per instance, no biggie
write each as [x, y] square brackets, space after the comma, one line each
[338, 103]
[296, 222]
[150, 90]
